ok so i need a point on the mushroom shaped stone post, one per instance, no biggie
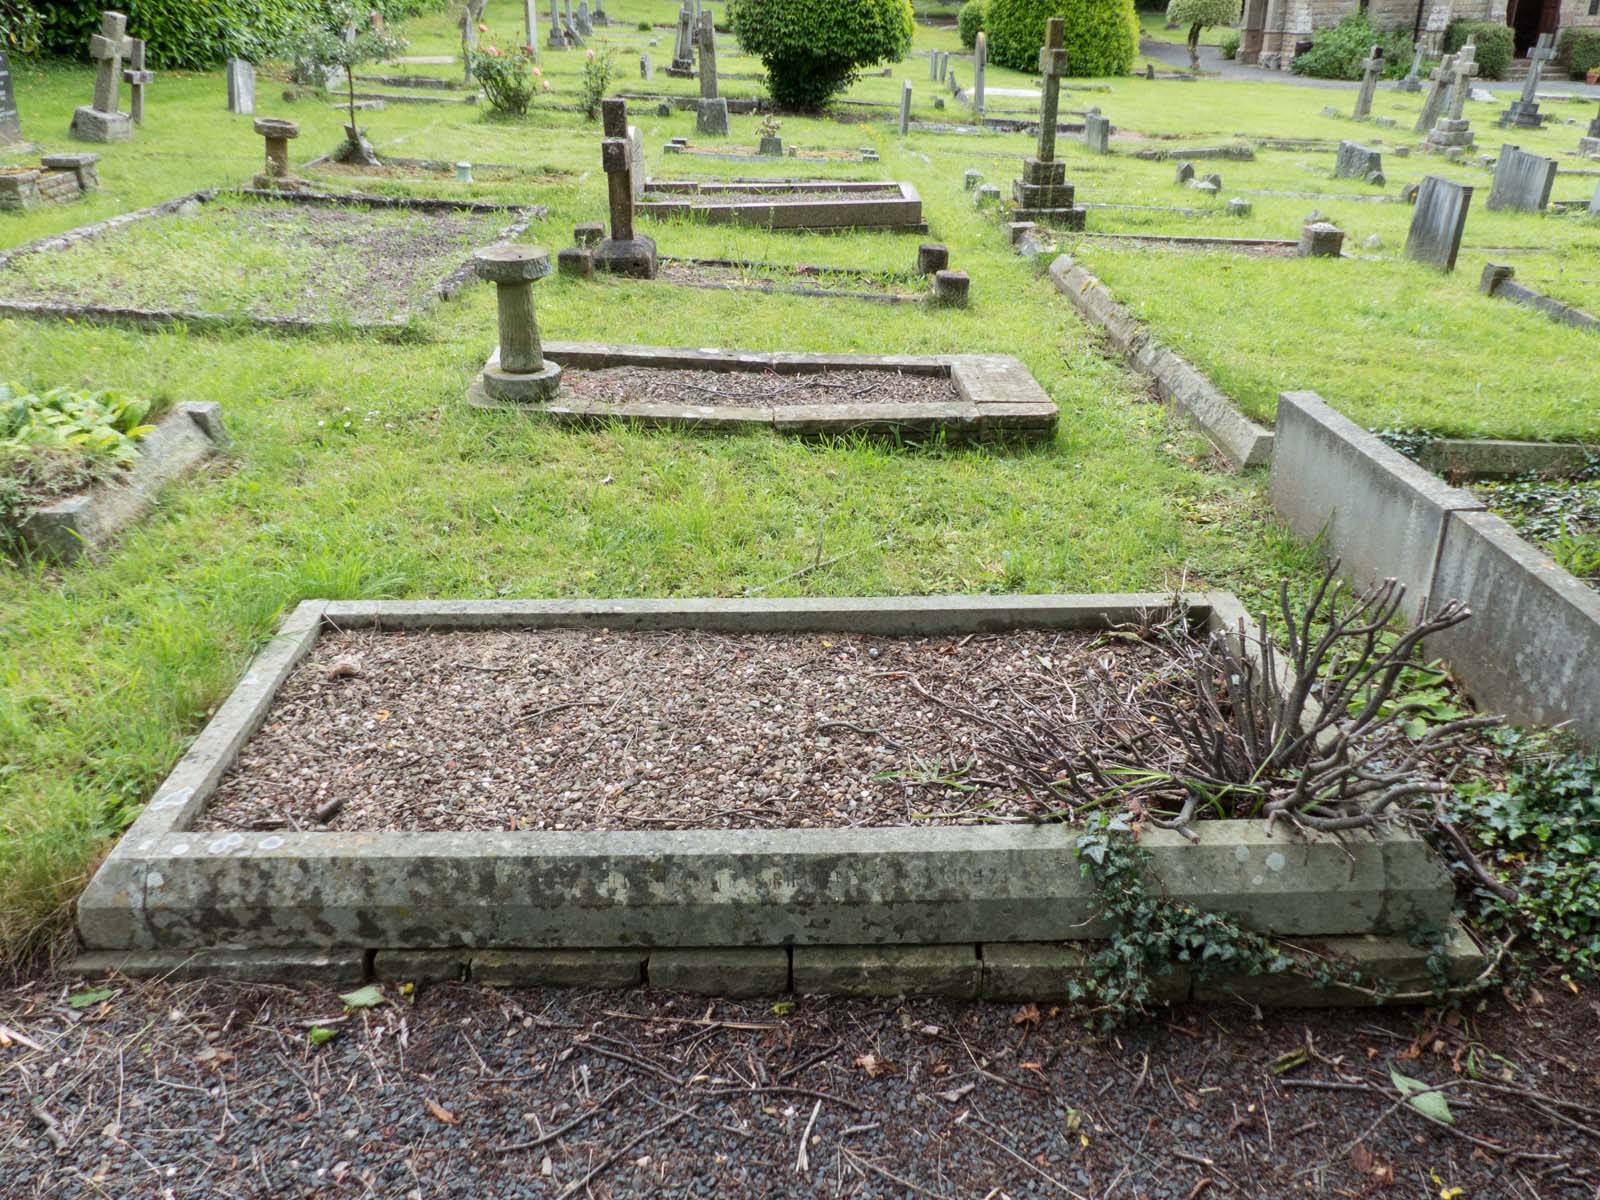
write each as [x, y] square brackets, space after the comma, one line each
[278, 133]
[518, 374]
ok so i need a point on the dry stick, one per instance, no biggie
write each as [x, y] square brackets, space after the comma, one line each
[802, 1163]
[858, 1162]
[52, 1127]
[558, 1131]
[705, 1022]
[786, 1090]
[634, 1062]
[577, 1185]
[1047, 1178]
[812, 566]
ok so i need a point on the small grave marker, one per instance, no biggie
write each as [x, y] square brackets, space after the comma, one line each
[581, 22]
[1524, 111]
[905, 108]
[1370, 70]
[241, 87]
[1438, 221]
[1356, 161]
[1413, 80]
[1321, 239]
[932, 257]
[647, 69]
[10, 119]
[1522, 181]
[980, 63]
[1097, 134]
[137, 78]
[522, 374]
[683, 48]
[951, 288]
[624, 252]
[101, 121]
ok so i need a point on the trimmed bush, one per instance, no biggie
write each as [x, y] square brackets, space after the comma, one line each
[1579, 51]
[971, 21]
[815, 48]
[1228, 44]
[1102, 36]
[1338, 53]
[1495, 43]
[1198, 15]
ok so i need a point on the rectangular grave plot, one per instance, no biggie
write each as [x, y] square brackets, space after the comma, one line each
[962, 397]
[816, 204]
[296, 263]
[428, 170]
[182, 879]
[839, 282]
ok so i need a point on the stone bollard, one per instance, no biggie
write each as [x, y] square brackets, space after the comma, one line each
[519, 374]
[971, 179]
[588, 234]
[932, 257]
[576, 261]
[950, 288]
[463, 172]
[1319, 239]
[278, 134]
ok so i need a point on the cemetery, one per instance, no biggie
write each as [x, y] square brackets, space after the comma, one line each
[525, 596]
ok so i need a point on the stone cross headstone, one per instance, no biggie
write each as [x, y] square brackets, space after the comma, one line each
[1522, 181]
[1437, 222]
[137, 78]
[1043, 194]
[1524, 111]
[1052, 66]
[625, 252]
[1370, 70]
[581, 22]
[599, 16]
[570, 27]
[241, 86]
[101, 121]
[905, 108]
[10, 119]
[711, 116]
[1454, 130]
[980, 62]
[1438, 87]
[1413, 80]
[530, 24]
[683, 48]
[468, 24]
[558, 38]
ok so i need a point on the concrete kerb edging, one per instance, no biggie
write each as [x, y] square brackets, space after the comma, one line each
[998, 395]
[167, 896]
[89, 520]
[1532, 647]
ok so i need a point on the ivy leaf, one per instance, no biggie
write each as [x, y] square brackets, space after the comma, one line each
[1429, 1103]
[321, 1035]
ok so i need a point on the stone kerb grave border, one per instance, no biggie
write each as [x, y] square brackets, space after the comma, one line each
[996, 910]
[999, 396]
[903, 213]
[89, 520]
[1532, 647]
[148, 318]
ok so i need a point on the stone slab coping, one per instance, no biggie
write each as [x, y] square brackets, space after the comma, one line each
[777, 286]
[154, 318]
[998, 395]
[1173, 239]
[88, 521]
[903, 212]
[166, 887]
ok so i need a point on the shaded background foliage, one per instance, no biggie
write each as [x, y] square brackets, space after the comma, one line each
[1102, 36]
[815, 48]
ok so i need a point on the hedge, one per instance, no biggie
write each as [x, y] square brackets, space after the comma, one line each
[814, 48]
[1494, 42]
[971, 21]
[1579, 51]
[1338, 52]
[1102, 36]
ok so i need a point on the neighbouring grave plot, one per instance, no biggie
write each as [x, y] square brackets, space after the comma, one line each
[1165, 243]
[576, 786]
[771, 150]
[429, 170]
[789, 203]
[295, 263]
[837, 282]
[1558, 513]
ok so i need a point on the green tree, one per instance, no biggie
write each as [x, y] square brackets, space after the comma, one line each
[343, 39]
[970, 21]
[815, 48]
[1198, 15]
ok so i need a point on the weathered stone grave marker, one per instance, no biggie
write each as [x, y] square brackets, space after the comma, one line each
[905, 108]
[1413, 80]
[1438, 221]
[1524, 111]
[1356, 161]
[1594, 204]
[1097, 134]
[278, 133]
[581, 22]
[241, 87]
[569, 27]
[599, 16]
[10, 119]
[624, 252]
[1321, 239]
[933, 66]
[1454, 131]
[647, 69]
[1522, 181]
[101, 121]
[471, 13]
[980, 64]
[530, 23]
[520, 374]
[137, 78]
[683, 48]
[558, 37]
[1438, 92]
[1370, 70]
[712, 113]
[1043, 194]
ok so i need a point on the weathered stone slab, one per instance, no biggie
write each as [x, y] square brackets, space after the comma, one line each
[1522, 181]
[932, 970]
[1019, 972]
[241, 77]
[1356, 161]
[774, 205]
[736, 973]
[1499, 280]
[558, 968]
[1437, 222]
[421, 966]
[327, 967]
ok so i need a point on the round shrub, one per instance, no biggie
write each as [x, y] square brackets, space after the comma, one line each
[815, 48]
[1102, 36]
[1338, 53]
[970, 21]
[1495, 45]
[1579, 51]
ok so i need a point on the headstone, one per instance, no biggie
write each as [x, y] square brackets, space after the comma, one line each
[1438, 89]
[1356, 161]
[1522, 181]
[971, 178]
[241, 87]
[530, 23]
[1437, 222]
[101, 121]
[980, 63]
[1413, 80]
[1185, 172]
[1238, 207]
[1043, 194]
[137, 79]
[951, 288]
[1594, 204]
[1589, 147]
[905, 108]
[1453, 133]
[10, 119]
[467, 23]
[683, 48]
[1320, 239]
[711, 116]
[647, 69]
[1097, 134]
[558, 37]
[599, 16]
[944, 65]
[581, 22]
[1370, 70]
[1594, 125]
[933, 66]
[932, 257]
[624, 252]
[1524, 111]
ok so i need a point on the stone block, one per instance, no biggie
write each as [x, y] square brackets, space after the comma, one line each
[576, 262]
[951, 288]
[971, 179]
[941, 970]
[737, 973]
[711, 117]
[634, 257]
[1043, 174]
[932, 257]
[421, 966]
[1319, 239]
[1020, 972]
[1356, 161]
[589, 234]
[558, 968]
[1097, 134]
[1239, 208]
[330, 968]
[1019, 230]
[92, 125]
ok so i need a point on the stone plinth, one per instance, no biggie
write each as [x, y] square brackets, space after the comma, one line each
[91, 125]
[1319, 239]
[519, 373]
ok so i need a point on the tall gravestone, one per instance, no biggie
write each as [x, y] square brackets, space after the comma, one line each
[1370, 70]
[1043, 194]
[1454, 131]
[712, 113]
[1438, 90]
[137, 79]
[1524, 111]
[558, 37]
[625, 252]
[1413, 80]
[581, 21]
[905, 107]
[683, 47]
[101, 121]
[600, 16]
[10, 119]
[1437, 222]
[1522, 181]
[530, 24]
[980, 64]
[569, 26]
[241, 86]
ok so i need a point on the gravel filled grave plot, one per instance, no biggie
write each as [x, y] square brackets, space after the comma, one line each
[592, 730]
[798, 281]
[626, 385]
[429, 170]
[213, 258]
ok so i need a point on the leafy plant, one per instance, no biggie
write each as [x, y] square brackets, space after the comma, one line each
[342, 37]
[1579, 50]
[597, 72]
[510, 79]
[1228, 44]
[1561, 515]
[62, 440]
[20, 26]
[1338, 53]
[1102, 36]
[1494, 41]
[970, 21]
[1198, 15]
[813, 49]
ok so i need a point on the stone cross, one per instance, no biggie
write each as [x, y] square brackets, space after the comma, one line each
[625, 252]
[708, 58]
[530, 23]
[1524, 111]
[1413, 80]
[136, 77]
[1052, 65]
[1433, 103]
[558, 39]
[584, 26]
[1370, 70]
[980, 60]
[108, 48]
[1461, 76]
[905, 108]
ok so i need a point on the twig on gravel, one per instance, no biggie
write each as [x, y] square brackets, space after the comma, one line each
[858, 1162]
[703, 1022]
[577, 1185]
[862, 730]
[802, 1163]
[52, 1127]
[789, 1072]
[567, 1127]
[634, 1062]
[1051, 1179]
[789, 1091]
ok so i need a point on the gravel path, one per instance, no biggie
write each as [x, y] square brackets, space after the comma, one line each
[586, 729]
[214, 1090]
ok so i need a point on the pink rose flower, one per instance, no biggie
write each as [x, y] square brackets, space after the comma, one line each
[546, 85]
[482, 28]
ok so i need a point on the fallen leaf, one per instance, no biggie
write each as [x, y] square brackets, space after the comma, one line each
[321, 1036]
[783, 1008]
[1034, 1067]
[367, 997]
[1428, 1103]
[874, 1066]
[1028, 1015]
[85, 999]
[442, 1113]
